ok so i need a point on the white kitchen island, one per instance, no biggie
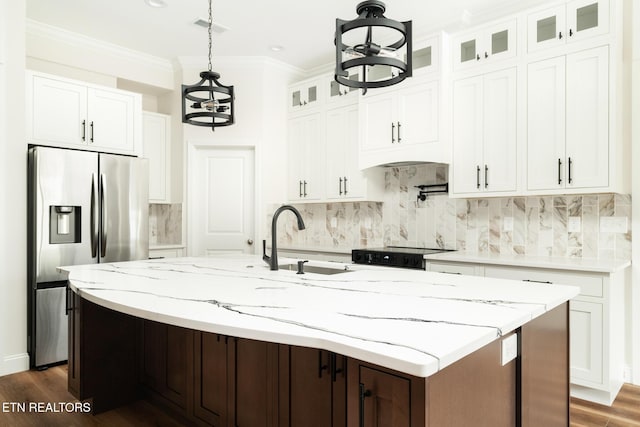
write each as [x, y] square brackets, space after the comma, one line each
[419, 332]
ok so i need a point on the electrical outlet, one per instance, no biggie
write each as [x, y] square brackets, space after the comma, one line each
[507, 223]
[613, 224]
[509, 348]
[574, 225]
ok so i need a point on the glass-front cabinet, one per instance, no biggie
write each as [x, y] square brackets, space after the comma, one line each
[576, 20]
[479, 47]
[304, 95]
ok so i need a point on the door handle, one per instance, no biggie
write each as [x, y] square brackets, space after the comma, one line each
[84, 130]
[570, 179]
[393, 135]
[92, 130]
[399, 137]
[478, 177]
[249, 242]
[300, 188]
[305, 188]
[345, 185]
[340, 186]
[94, 216]
[104, 218]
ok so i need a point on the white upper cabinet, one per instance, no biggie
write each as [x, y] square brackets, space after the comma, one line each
[401, 125]
[66, 113]
[305, 95]
[576, 20]
[306, 157]
[485, 134]
[156, 137]
[485, 45]
[568, 122]
[337, 93]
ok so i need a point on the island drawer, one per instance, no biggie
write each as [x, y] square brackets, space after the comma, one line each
[590, 284]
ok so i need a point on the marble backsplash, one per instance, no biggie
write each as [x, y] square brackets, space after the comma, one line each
[567, 225]
[165, 224]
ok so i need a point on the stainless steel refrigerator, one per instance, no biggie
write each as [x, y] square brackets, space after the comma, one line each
[84, 208]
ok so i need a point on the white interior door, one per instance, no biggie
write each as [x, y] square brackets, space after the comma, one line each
[221, 200]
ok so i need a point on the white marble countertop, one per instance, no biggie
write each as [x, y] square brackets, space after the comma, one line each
[561, 263]
[415, 322]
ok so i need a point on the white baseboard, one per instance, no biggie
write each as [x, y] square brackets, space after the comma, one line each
[14, 363]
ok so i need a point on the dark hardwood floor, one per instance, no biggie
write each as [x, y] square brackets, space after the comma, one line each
[50, 386]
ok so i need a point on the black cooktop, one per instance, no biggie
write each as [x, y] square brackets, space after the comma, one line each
[394, 256]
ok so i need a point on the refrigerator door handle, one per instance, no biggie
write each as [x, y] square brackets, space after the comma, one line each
[94, 216]
[103, 222]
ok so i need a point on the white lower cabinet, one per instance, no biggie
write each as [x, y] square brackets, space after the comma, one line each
[596, 320]
[166, 253]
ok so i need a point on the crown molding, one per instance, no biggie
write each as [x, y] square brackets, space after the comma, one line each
[39, 29]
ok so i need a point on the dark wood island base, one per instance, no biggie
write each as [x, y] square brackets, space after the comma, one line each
[211, 379]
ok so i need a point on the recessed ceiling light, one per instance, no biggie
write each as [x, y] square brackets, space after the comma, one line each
[276, 48]
[156, 3]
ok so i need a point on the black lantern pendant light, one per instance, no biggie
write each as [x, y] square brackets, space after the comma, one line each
[370, 52]
[208, 102]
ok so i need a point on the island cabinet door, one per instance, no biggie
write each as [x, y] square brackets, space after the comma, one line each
[317, 388]
[168, 362]
[378, 397]
[212, 402]
[254, 388]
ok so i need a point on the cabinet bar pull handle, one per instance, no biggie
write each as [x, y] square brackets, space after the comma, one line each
[486, 55]
[537, 281]
[559, 171]
[570, 32]
[321, 367]
[478, 177]
[333, 361]
[300, 188]
[67, 306]
[486, 176]
[84, 130]
[393, 135]
[363, 394]
[560, 35]
[399, 138]
[340, 191]
[305, 188]
[345, 185]
[92, 130]
[570, 163]
[477, 57]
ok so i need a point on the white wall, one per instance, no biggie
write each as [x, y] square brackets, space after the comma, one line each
[13, 172]
[260, 87]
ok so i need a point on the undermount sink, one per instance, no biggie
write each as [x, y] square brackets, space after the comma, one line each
[314, 269]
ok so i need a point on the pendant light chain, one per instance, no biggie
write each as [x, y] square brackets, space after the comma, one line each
[210, 25]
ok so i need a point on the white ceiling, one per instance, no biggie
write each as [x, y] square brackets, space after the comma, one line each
[304, 28]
